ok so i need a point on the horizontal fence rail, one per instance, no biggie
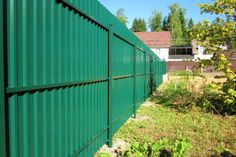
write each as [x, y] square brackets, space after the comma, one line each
[71, 75]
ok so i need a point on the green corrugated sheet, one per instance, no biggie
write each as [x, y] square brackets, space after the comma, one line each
[73, 75]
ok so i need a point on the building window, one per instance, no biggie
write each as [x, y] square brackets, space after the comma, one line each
[181, 51]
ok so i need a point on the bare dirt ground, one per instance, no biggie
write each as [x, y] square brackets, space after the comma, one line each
[115, 150]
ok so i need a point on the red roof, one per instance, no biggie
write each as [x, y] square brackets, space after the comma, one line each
[155, 39]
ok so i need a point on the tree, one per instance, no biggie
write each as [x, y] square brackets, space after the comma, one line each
[189, 27]
[212, 36]
[190, 24]
[176, 22]
[155, 21]
[120, 15]
[139, 25]
[165, 24]
[183, 20]
[175, 25]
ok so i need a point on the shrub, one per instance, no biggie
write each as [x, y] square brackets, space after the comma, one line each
[184, 93]
[176, 94]
[213, 100]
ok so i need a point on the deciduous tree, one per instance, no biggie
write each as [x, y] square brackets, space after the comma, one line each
[120, 15]
[212, 36]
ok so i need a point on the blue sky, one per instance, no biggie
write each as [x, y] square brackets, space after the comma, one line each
[144, 8]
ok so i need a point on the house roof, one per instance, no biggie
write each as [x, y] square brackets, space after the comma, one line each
[155, 39]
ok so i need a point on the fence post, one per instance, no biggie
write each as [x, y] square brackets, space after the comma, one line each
[145, 74]
[3, 147]
[134, 89]
[110, 86]
[165, 67]
[153, 75]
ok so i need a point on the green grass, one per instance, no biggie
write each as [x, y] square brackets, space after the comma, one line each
[184, 73]
[163, 124]
[209, 134]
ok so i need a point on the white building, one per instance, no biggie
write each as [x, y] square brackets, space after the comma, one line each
[159, 42]
[198, 52]
[178, 57]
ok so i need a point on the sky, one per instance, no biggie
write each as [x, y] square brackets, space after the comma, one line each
[144, 8]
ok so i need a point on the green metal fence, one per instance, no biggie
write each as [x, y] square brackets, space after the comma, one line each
[71, 74]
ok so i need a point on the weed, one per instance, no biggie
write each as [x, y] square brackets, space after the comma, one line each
[163, 147]
[103, 154]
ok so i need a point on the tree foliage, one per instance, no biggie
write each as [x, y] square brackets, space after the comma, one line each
[165, 24]
[175, 24]
[139, 25]
[190, 24]
[189, 27]
[120, 15]
[183, 20]
[155, 21]
[212, 36]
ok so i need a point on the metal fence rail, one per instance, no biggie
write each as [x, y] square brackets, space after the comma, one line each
[71, 74]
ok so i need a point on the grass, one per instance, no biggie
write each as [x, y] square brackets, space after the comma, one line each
[208, 134]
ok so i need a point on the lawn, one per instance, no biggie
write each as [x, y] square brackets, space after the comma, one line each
[195, 133]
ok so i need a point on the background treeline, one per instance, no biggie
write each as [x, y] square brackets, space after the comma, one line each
[175, 22]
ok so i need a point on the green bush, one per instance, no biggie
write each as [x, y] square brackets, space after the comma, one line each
[177, 95]
[184, 94]
[212, 100]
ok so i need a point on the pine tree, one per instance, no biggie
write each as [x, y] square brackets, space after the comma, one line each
[165, 24]
[175, 25]
[155, 21]
[189, 27]
[139, 25]
[183, 20]
[190, 24]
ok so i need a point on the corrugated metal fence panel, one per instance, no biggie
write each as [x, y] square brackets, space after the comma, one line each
[58, 77]
[59, 122]
[3, 130]
[148, 76]
[122, 108]
[158, 73]
[140, 63]
[55, 49]
[123, 57]
[51, 46]
[140, 89]
[123, 64]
